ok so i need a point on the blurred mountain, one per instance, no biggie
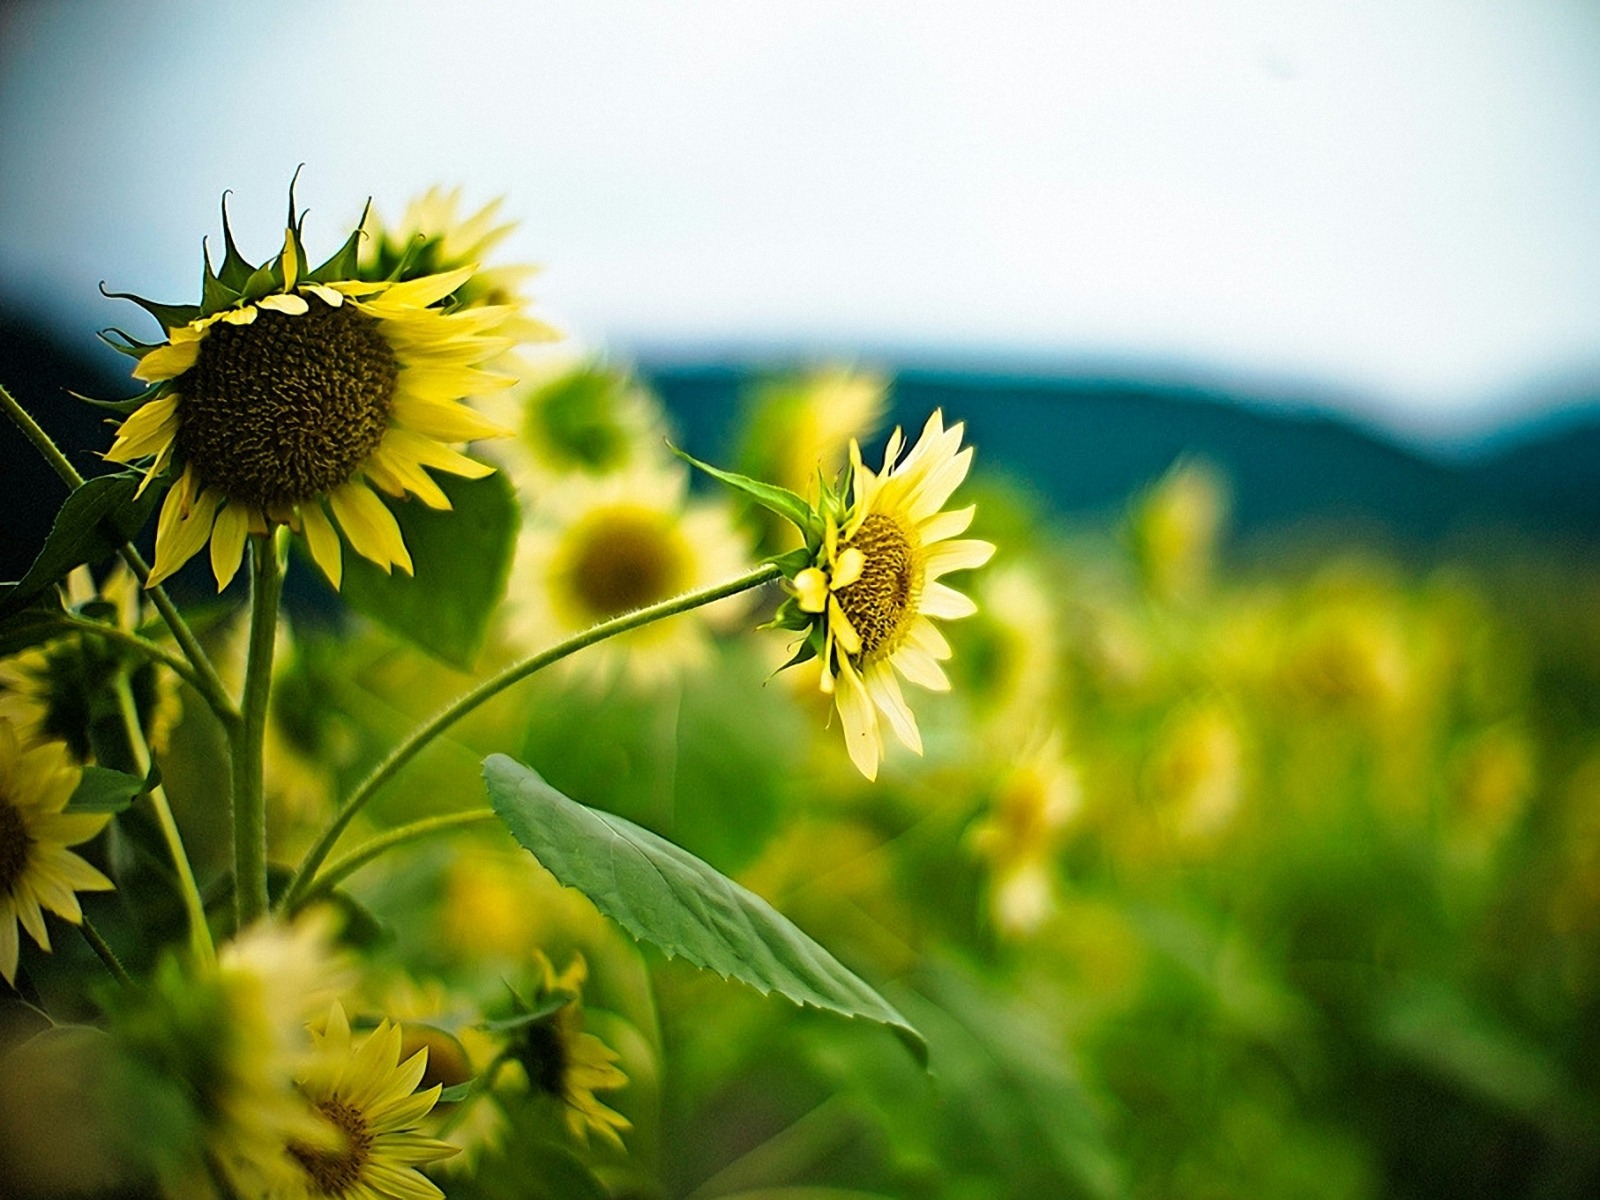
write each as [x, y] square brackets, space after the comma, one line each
[1085, 444]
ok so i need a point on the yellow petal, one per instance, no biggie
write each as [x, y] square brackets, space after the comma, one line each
[962, 555]
[323, 541]
[884, 689]
[430, 289]
[860, 721]
[446, 422]
[169, 361]
[286, 303]
[184, 525]
[149, 429]
[848, 569]
[227, 542]
[811, 587]
[291, 261]
[841, 628]
[369, 526]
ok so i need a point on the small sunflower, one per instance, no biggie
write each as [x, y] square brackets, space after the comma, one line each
[55, 691]
[610, 546]
[873, 584]
[368, 1100]
[564, 1062]
[289, 389]
[1036, 798]
[37, 871]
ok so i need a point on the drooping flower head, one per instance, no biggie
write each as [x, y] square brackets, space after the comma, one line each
[564, 1062]
[290, 393]
[55, 691]
[37, 871]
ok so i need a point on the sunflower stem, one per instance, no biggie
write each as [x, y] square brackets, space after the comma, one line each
[206, 681]
[106, 954]
[336, 874]
[194, 907]
[249, 797]
[465, 703]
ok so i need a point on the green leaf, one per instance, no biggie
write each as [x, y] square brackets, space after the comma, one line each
[462, 558]
[794, 561]
[97, 518]
[662, 894]
[171, 316]
[35, 623]
[780, 500]
[236, 269]
[102, 790]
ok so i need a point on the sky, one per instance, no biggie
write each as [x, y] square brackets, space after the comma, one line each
[1386, 207]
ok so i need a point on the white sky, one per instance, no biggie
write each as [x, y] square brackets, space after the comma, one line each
[1395, 204]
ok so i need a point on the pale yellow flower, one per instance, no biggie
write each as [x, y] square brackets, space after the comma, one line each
[604, 547]
[37, 871]
[876, 586]
[1035, 800]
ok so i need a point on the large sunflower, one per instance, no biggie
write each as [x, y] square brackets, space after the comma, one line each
[874, 585]
[37, 871]
[289, 394]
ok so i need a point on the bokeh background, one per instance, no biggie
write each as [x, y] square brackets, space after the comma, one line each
[1321, 812]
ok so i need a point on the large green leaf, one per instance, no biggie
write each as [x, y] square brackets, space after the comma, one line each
[662, 894]
[97, 518]
[461, 558]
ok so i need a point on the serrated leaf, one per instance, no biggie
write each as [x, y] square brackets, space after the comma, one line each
[662, 894]
[102, 790]
[769, 495]
[97, 518]
[461, 558]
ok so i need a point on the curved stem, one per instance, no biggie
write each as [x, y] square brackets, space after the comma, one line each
[208, 683]
[193, 906]
[342, 868]
[249, 797]
[464, 704]
[103, 948]
[132, 641]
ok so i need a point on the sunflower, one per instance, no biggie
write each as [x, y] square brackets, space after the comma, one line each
[367, 1098]
[288, 390]
[51, 692]
[564, 1062]
[37, 871]
[800, 429]
[431, 239]
[609, 546]
[1036, 798]
[874, 585]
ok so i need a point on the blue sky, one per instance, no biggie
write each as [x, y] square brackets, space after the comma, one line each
[1389, 205]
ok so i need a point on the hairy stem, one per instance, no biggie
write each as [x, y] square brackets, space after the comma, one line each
[466, 703]
[342, 868]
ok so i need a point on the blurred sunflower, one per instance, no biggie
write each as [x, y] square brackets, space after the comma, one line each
[37, 871]
[59, 690]
[875, 585]
[431, 239]
[588, 418]
[288, 389]
[368, 1099]
[800, 429]
[563, 1061]
[1037, 796]
[610, 546]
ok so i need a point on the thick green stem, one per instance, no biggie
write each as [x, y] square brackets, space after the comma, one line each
[464, 704]
[249, 797]
[206, 680]
[193, 906]
[344, 867]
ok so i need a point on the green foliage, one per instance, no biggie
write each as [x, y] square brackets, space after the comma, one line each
[663, 895]
[461, 558]
[96, 520]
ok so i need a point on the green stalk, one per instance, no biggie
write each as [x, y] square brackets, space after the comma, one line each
[103, 948]
[342, 868]
[464, 704]
[132, 641]
[207, 682]
[193, 906]
[249, 798]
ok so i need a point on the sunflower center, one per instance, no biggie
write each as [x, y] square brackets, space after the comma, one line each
[15, 844]
[881, 602]
[624, 560]
[336, 1173]
[286, 407]
[543, 1054]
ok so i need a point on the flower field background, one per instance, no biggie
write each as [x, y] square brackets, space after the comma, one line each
[1254, 850]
